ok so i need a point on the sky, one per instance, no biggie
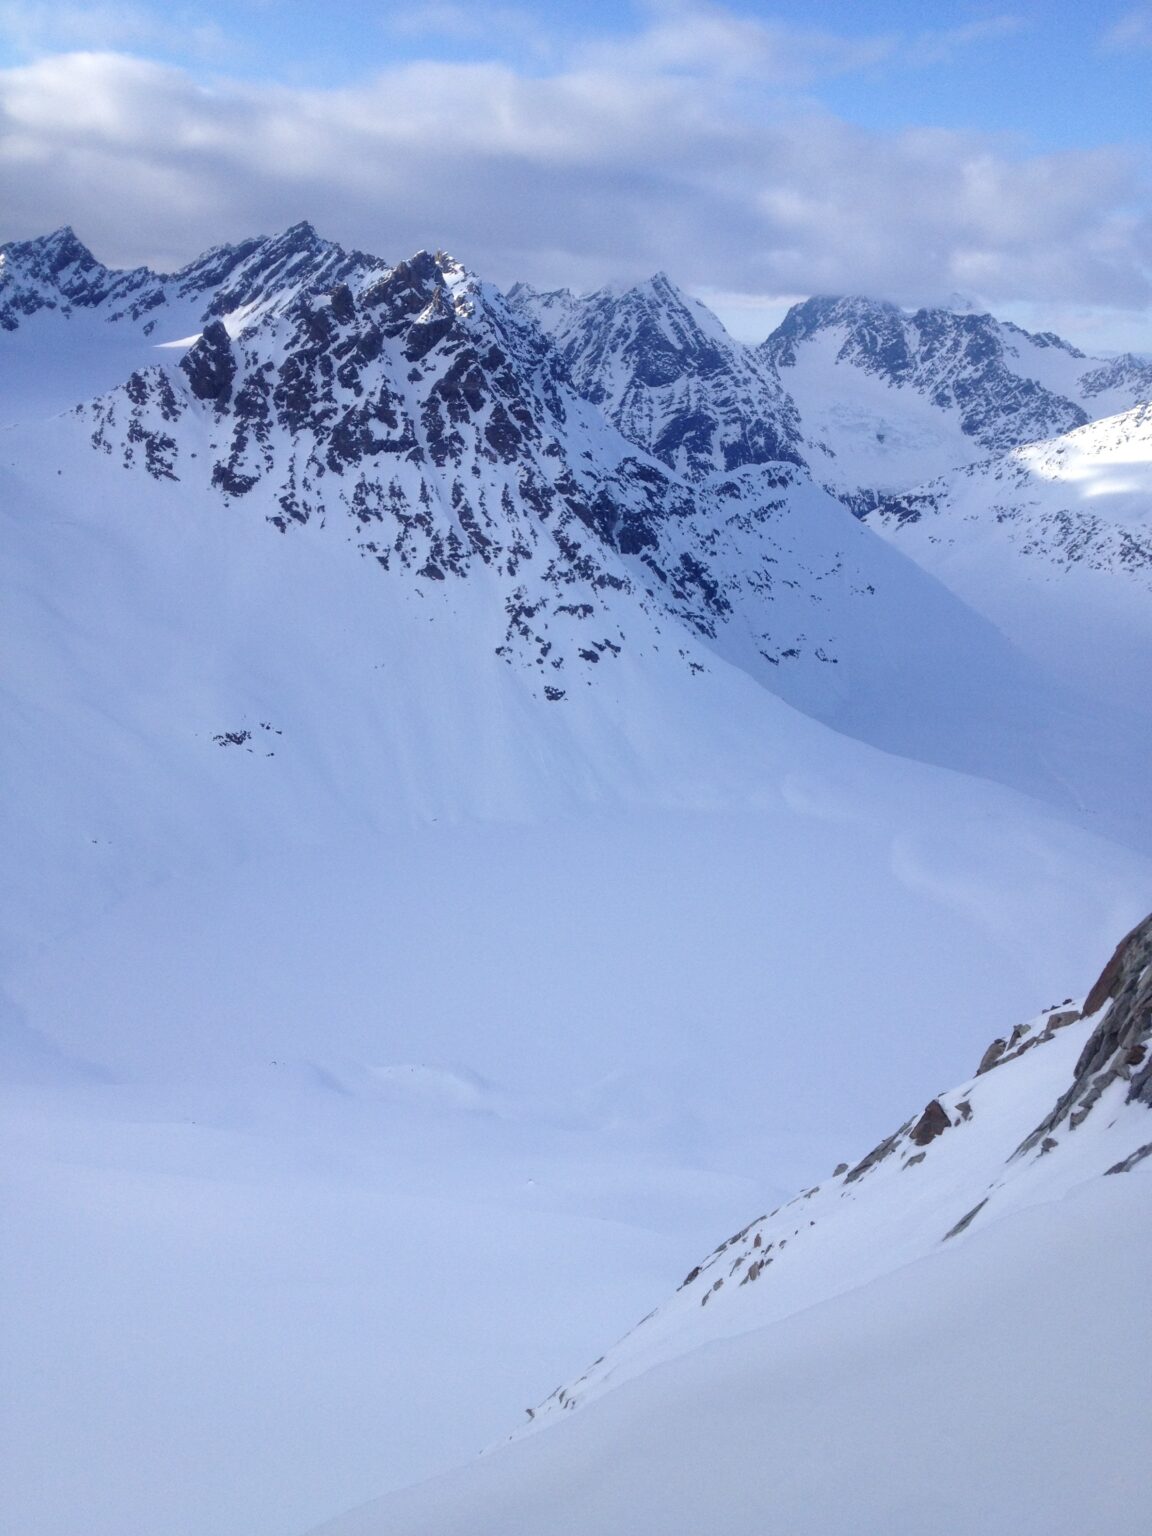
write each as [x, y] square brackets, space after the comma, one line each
[998, 154]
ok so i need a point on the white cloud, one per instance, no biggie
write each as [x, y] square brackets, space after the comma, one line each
[593, 172]
[695, 39]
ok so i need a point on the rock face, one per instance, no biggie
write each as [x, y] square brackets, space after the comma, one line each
[1118, 1049]
[932, 1123]
[890, 399]
[613, 473]
[669, 377]
[961, 362]
[57, 273]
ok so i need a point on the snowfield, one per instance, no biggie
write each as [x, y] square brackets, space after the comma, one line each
[936, 1392]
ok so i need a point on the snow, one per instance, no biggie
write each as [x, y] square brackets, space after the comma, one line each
[951, 1303]
[1051, 543]
[890, 400]
[936, 1393]
[573, 922]
[863, 431]
[366, 1074]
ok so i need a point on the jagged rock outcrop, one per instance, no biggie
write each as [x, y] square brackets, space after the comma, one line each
[891, 399]
[1118, 1049]
[667, 375]
[437, 424]
[57, 273]
[932, 1123]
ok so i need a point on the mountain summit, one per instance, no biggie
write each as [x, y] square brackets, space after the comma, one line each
[668, 376]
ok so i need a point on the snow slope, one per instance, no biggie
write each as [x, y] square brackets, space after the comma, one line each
[887, 398]
[934, 1393]
[418, 409]
[1053, 543]
[955, 1324]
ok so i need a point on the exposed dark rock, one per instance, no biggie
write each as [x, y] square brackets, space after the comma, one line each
[1060, 1018]
[1117, 1047]
[878, 1154]
[957, 361]
[966, 1221]
[932, 1123]
[1108, 981]
[210, 366]
[667, 380]
[1128, 1163]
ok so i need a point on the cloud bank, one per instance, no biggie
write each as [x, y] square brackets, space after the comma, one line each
[687, 147]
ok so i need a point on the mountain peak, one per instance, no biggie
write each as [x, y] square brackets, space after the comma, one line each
[665, 372]
[986, 381]
[303, 230]
[53, 252]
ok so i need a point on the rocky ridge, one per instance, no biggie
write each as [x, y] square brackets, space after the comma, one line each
[58, 274]
[667, 375]
[960, 362]
[1059, 1101]
[424, 419]
[431, 423]
[889, 398]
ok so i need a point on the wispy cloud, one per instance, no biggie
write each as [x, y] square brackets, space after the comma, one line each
[942, 46]
[35, 27]
[1133, 31]
[700, 39]
[695, 37]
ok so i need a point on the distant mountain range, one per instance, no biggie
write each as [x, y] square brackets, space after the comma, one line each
[617, 467]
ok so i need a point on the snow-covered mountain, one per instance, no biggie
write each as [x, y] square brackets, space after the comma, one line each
[954, 1321]
[74, 328]
[1052, 542]
[889, 398]
[437, 430]
[870, 1218]
[447, 838]
[57, 275]
[665, 372]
